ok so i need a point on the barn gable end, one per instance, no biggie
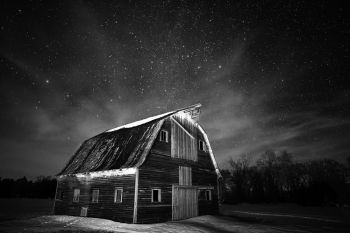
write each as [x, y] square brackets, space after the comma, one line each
[162, 170]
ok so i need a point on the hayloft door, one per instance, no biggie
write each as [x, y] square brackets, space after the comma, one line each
[185, 202]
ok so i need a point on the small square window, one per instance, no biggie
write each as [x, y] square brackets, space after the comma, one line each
[202, 146]
[76, 194]
[208, 195]
[59, 195]
[95, 194]
[118, 195]
[156, 195]
[163, 137]
[204, 194]
[83, 211]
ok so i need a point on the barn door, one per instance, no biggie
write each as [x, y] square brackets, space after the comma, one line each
[185, 202]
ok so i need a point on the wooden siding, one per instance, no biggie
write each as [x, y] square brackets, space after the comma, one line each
[204, 159]
[105, 208]
[160, 146]
[160, 170]
[185, 175]
[206, 178]
[185, 202]
[156, 172]
[183, 137]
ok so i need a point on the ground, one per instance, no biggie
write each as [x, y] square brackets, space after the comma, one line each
[33, 215]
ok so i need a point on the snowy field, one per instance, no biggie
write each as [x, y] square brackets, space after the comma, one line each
[33, 215]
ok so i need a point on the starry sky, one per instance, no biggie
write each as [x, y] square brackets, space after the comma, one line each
[269, 74]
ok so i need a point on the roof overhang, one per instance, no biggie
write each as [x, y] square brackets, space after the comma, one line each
[105, 173]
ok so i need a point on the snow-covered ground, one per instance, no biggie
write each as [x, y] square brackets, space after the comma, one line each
[59, 223]
[207, 223]
[33, 215]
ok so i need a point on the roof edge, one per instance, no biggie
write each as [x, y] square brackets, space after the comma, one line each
[152, 118]
[104, 173]
[150, 144]
[206, 139]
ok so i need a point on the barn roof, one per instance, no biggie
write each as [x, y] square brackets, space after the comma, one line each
[123, 147]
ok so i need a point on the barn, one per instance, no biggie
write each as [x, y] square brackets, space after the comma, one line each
[154, 170]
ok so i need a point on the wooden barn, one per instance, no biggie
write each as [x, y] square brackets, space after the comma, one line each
[158, 169]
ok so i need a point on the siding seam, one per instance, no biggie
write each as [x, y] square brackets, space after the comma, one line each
[136, 195]
[54, 203]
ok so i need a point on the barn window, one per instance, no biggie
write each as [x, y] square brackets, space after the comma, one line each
[118, 195]
[156, 195]
[201, 145]
[59, 195]
[204, 194]
[95, 193]
[83, 211]
[208, 195]
[76, 194]
[163, 136]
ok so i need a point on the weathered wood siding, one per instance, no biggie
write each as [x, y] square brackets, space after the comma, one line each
[185, 202]
[183, 137]
[161, 170]
[203, 177]
[185, 175]
[105, 208]
[156, 172]
[204, 159]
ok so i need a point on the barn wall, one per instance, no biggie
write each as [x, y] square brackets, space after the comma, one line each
[105, 208]
[202, 177]
[204, 160]
[183, 146]
[156, 172]
[160, 170]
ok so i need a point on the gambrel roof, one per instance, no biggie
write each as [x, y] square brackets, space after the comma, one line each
[123, 147]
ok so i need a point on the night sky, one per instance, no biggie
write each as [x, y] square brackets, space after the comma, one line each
[269, 74]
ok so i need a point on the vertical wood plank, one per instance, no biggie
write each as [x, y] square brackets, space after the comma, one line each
[183, 145]
[185, 203]
[136, 195]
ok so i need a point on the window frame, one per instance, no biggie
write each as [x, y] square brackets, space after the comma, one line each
[202, 144]
[159, 195]
[59, 195]
[208, 197]
[76, 195]
[94, 198]
[166, 136]
[115, 195]
[83, 211]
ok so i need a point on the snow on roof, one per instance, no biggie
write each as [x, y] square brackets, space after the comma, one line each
[105, 173]
[140, 122]
[114, 149]
[152, 118]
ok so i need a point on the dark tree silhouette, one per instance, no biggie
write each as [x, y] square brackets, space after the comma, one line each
[277, 178]
[42, 187]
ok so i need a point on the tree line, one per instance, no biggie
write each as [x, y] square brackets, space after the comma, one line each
[41, 187]
[271, 178]
[278, 178]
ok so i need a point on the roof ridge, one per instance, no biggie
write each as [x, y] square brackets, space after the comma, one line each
[152, 118]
